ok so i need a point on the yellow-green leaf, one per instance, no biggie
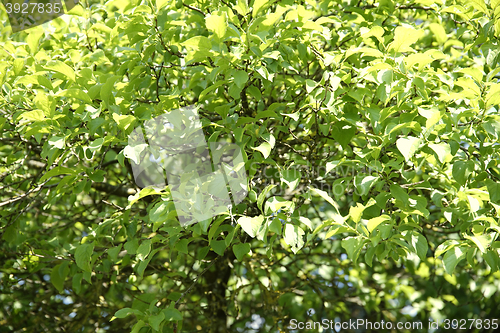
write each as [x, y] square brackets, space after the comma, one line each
[258, 4]
[217, 24]
[75, 93]
[441, 149]
[374, 222]
[35, 115]
[408, 146]
[264, 148]
[438, 32]
[242, 7]
[61, 67]
[403, 38]
[198, 43]
[251, 225]
[123, 121]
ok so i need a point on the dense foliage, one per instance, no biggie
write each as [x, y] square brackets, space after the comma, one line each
[369, 132]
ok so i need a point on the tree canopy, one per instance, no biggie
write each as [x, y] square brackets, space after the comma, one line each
[369, 132]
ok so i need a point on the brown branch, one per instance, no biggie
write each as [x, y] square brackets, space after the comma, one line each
[195, 280]
[412, 184]
[114, 190]
[195, 9]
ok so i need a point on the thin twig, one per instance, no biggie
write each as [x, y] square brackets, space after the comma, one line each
[412, 184]
[195, 9]
[195, 280]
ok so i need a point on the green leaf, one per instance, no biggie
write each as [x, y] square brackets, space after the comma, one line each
[491, 258]
[217, 24]
[57, 141]
[343, 132]
[97, 175]
[240, 250]
[58, 275]
[325, 196]
[492, 124]
[276, 203]
[295, 116]
[461, 171]
[59, 170]
[255, 93]
[445, 246]
[122, 313]
[364, 183]
[240, 78]
[353, 246]
[141, 267]
[419, 243]
[369, 255]
[211, 88]
[35, 79]
[60, 67]
[172, 315]
[113, 253]
[452, 257]
[230, 235]
[160, 212]
[310, 85]
[219, 246]
[408, 146]
[131, 246]
[269, 138]
[251, 225]
[137, 327]
[264, 73]
[469, 86]
[494, 191]
[76, 94]
[291, 177]
[422, 60]
[382, 250]
[475, 73]
[400, 194]
[83, 254]
[107, 91]
[144, 249]
[96, 144]
[182, 245]
[293, 236]
[76, 283]
[263, 195]
[482, 241]
[155, 321]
